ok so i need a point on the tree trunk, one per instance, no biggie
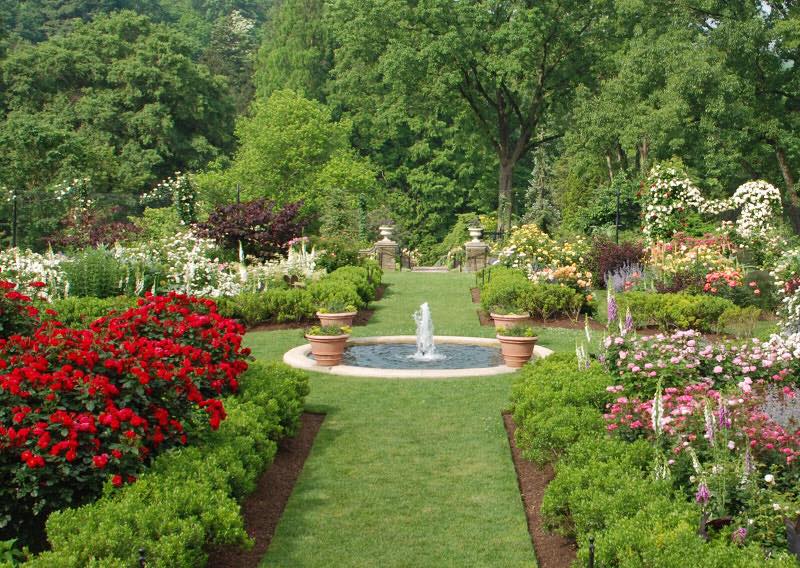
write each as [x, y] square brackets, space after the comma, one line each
[791, 192]
[505, 202]
[610, 169]
[622, 157]
[793, 201]
[644, 149]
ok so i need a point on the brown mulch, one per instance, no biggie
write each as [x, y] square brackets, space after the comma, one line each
[552, 550]
[476, 295]
[263, 508]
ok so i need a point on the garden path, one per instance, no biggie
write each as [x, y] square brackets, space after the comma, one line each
[406, 472]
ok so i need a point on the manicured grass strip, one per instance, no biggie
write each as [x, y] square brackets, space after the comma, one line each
[405, 473]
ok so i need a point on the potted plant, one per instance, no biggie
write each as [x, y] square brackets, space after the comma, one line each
[328, 343]
[516, 344]
[506, 316]
[336, 313]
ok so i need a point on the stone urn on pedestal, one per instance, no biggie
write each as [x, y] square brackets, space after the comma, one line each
[386, 248]
[476, 251]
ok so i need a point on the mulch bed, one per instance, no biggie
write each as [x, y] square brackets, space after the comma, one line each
[552, 550]
[476, 295]
[263, 508]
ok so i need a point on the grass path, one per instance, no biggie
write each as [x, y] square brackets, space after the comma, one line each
[407, 472]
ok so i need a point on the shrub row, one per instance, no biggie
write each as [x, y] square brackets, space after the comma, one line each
[188, 500]
[510, 291]
[681, 311]
[603, 487]
[348, 285]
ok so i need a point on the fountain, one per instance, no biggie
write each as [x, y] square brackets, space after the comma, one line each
[414, 356]
[426, 350]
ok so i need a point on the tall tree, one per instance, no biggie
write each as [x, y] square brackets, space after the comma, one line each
[296, 52]
[513, 63]
[120, 100]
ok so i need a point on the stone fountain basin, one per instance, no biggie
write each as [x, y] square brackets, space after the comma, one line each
[300, 357]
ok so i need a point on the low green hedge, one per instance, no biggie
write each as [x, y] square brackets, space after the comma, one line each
[508, 290]
[188, 500]
[550, 300]
[603, 486]
[347, 285]
[681, 311]
[79, 312]
[503, 288]
[273, 305]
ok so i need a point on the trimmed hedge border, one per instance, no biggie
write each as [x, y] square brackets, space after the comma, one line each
[189, 499]
[603, 489]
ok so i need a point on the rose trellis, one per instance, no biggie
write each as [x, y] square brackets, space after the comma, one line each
[671, 195]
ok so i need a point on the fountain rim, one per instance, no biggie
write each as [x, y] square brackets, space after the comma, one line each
[299, 358]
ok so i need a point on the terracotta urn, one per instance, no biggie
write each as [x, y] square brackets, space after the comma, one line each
[341, 319]
[503, 321]
[328, 349]
[516, 350]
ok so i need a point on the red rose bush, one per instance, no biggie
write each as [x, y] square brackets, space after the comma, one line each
[78, 407]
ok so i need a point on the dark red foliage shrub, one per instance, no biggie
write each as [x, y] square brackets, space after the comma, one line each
[81, 229]
[17, 314]
[680, 282]
[261, 226]
[78, 407]
[606, 255]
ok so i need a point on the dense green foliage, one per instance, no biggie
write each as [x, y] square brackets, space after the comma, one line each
[671, 311]
[436, 108]
[187, 501]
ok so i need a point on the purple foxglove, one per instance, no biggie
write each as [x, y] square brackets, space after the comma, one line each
[703, 495]
[613, 310]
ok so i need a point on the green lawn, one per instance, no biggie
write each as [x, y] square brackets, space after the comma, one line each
[407, 472]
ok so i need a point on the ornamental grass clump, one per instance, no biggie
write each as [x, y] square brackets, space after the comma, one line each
[79, 407]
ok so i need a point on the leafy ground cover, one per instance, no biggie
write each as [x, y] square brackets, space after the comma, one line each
[407, 472]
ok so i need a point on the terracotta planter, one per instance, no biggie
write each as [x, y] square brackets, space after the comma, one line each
[327, 349]
[510, 320]
[516, 350]
[342, 319]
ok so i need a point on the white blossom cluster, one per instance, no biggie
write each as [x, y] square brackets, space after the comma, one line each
[669, 194]
[786, 268]
[177, 190]
[77, 187]
[24, 266]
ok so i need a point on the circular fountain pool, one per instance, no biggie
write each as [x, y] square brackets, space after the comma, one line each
[387, 357]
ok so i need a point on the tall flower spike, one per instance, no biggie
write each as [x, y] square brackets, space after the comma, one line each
[703, 495]
[708, 415]
[613, 310]
[628, 321]
[658, 411]
[586, 329]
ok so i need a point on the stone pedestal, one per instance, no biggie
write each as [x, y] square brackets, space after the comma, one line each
[477, 256]
[386, 250]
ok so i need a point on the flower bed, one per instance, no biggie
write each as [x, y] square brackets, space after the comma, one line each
[676, 433]
[80, 407]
